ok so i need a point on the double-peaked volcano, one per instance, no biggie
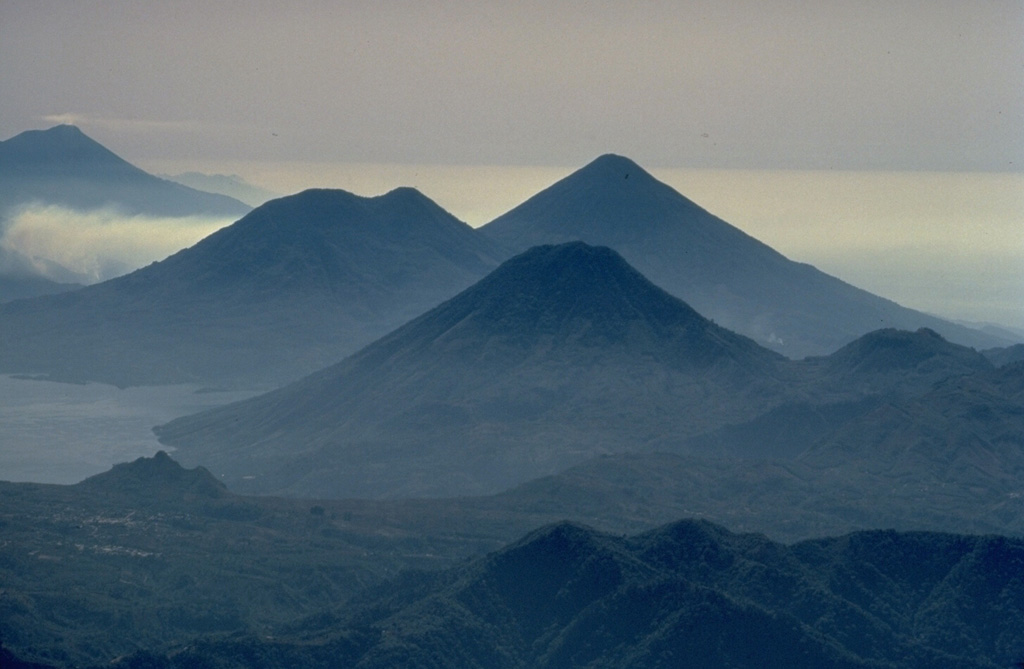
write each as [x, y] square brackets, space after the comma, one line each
[562, 353]
[293, 286]
[722, 272]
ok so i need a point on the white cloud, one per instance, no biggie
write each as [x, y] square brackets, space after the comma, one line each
[99, 244]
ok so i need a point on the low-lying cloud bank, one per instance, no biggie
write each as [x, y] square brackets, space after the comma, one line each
[100, 244]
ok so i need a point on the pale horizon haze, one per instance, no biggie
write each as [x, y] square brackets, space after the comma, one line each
[878, 141]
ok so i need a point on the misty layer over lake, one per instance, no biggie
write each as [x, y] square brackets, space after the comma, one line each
[62, 433]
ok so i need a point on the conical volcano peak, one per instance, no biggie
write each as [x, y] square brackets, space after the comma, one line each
[328, 240]
[58, 134]
[612, 176]
[614, 166]
[316, 205]
[560, 340]
[577, 296]
[721, 271]
[570, 254]
[62, 142]
[62, 133]
[569, 278]
[64, 130]
[609, 201]
[66, 167]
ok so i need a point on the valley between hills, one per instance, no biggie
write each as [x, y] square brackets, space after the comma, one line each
[605, 429]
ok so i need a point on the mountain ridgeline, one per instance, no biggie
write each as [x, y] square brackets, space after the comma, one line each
[293, 286]
[304, 280]
[449, 389]
[148, 479]
[154, 565]
[722, 272]
[689, 593]
[561, 353]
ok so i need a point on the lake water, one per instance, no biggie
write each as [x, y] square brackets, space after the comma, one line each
[62, 433]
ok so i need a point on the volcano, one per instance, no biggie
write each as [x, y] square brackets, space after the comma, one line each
[562, 353]
[295, 285]
[722, 272]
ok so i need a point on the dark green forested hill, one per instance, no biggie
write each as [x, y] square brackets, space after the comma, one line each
[687, 594]
[149, 559]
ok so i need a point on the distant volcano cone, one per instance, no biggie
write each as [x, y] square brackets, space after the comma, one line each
[293, 286]
[722, 272]
[63, 166]
[561, 353]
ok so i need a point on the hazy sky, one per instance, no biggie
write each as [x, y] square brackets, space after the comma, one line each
[481, 104]
[823, 84]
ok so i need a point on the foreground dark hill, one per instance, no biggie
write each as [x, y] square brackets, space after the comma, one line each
[293, 286]
[720, 271]
[687, 594]
[156, 478]
[151, 556]
[63, 166]
[561, 353]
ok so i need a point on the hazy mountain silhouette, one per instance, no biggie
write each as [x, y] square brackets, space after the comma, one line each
[722, 272]
[293, 286]
[20, 287]
[967, 431]
[1005, 355]
[20, 277]
[561, 353]
[893, 361]
[231, 185]
[159, 476]
[63, 166]
[946, 457]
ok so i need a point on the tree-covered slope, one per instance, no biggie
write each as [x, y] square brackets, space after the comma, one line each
[686, 594]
